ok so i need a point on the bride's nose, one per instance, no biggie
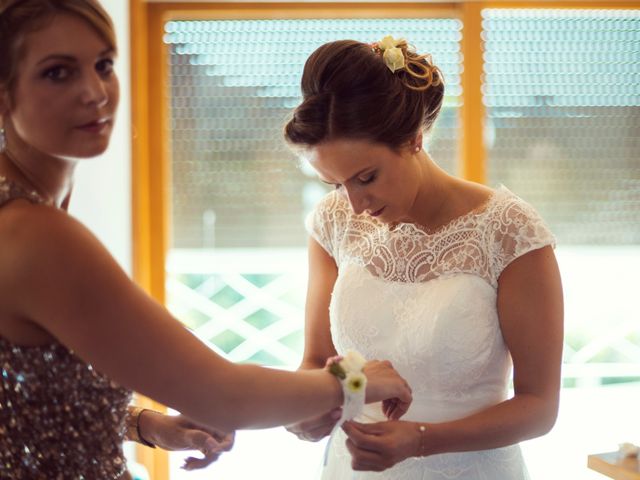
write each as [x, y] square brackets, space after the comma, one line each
[358, 200]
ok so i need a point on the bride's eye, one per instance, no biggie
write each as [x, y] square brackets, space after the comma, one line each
[367, 179]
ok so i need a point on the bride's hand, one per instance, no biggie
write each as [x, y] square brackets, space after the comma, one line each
[386, 385]
[378, 446]
[316, 428]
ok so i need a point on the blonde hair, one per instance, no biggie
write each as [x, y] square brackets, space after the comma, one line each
[20, 17]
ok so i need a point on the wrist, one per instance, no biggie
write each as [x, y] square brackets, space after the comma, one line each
[137, 423]
[348, 371]
[420, 439]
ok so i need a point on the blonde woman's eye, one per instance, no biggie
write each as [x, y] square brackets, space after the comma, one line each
[58, 73]
[105, 67]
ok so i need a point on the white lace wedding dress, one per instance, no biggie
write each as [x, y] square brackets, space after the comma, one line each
[427, 302]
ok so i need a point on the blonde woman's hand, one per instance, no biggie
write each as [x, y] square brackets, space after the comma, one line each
[178, 433]
[316, 428]
[384, 384]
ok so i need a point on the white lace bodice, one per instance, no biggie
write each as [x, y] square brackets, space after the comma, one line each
[427, 302]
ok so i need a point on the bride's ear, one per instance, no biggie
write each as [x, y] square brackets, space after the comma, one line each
[416, 143]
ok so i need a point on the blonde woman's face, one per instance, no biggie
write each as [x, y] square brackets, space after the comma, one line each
[66, 92]
[376, 180]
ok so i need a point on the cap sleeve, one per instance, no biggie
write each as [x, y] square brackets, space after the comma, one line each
[515, 229]
[327, 223]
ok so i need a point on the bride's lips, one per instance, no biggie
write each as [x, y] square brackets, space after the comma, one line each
[96, 126]
[377, 212]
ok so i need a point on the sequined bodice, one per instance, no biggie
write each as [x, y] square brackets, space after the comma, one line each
[59, 418]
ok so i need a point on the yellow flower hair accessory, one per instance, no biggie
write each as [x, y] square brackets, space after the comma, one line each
[397, 54]
[392, 54]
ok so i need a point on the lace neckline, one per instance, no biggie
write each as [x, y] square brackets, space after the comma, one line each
[481, 209]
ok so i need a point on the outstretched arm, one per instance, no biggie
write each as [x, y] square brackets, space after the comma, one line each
[62, 279]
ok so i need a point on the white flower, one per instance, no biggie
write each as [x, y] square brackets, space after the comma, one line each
[352, 362]
[356, 382]
[393, 58]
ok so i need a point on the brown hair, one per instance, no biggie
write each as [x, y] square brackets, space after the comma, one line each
[349, 92]
[20, 17]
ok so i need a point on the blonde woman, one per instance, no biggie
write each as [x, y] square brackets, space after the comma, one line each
[76, 335]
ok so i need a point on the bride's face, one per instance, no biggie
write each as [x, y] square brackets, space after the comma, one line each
[376, 180]
[65, 95]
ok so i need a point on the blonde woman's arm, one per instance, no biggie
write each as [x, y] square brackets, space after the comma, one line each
[62, 279]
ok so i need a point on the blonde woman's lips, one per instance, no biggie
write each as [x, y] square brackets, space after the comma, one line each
[96, 126]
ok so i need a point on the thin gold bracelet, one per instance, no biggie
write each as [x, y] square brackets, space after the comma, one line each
[423, 433]
[133, 426]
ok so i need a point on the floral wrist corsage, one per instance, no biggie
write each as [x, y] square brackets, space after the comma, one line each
[349, 370]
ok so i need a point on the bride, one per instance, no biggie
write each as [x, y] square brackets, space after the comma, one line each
[454, 282]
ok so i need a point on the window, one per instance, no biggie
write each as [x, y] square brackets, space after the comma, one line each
[560, 95]
[563, 107]
[237, 263]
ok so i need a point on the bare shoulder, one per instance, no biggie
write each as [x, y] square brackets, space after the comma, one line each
[39, 239]
[471, 195]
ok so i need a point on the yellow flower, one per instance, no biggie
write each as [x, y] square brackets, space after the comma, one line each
[388, 42]
[356, 382]
[393, 58]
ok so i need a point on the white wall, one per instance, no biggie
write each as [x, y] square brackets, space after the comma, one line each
[102, 193]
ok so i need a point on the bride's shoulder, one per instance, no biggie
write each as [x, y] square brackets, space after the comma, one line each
[332, 203]
[509, 207]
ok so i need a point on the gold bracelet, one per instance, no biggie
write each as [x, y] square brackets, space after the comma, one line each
[132, 422]
[423, 433]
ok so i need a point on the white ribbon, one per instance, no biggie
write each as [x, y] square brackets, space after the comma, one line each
[351, 408]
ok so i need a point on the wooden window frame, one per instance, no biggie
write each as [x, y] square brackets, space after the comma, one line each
[150, 116]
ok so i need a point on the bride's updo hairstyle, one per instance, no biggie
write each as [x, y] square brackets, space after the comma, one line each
[349, 91]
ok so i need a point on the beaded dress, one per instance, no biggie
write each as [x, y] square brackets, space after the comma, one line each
[427, 302]
[59, 418]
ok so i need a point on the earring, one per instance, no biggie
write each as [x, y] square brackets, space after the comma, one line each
[3, 140]
[417, 149]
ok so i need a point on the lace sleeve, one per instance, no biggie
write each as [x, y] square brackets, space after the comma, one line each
[515, 229]
[327, 223]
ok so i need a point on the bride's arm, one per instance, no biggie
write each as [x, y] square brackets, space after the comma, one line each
[62, 279]
[318, 345]
[323, 272]
[530, 310]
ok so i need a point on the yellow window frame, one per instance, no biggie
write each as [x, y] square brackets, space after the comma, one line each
[150, 112]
